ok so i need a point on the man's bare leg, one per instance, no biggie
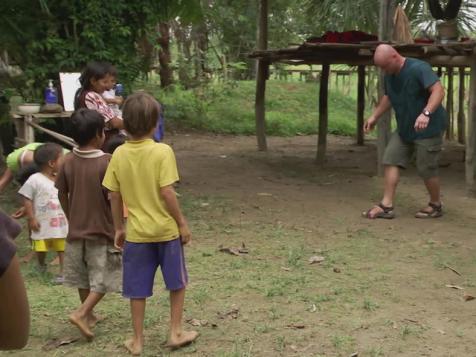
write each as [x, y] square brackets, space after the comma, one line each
[178, 337]
[391, 178]
[136, 343]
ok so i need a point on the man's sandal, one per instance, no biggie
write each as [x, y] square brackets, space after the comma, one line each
[386, 212]
[436, 211]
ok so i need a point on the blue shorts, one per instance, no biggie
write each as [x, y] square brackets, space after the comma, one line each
[140, 262]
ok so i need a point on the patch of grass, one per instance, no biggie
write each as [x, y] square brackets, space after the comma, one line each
[369, 305]
[228, 108]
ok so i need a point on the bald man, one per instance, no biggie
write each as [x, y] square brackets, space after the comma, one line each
[415, 93]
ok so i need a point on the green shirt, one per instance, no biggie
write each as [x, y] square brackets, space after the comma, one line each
[408, 93]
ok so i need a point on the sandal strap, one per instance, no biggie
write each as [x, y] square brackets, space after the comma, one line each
[435, 207]
[386, 209]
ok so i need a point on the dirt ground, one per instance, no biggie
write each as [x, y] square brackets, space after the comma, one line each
[382, 289]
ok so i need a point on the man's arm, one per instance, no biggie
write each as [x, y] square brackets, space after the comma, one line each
[437, 93]
[382, 106]
[169, 196]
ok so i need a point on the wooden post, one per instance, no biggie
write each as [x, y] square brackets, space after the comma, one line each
[261, 75]
[25, 133]
[323, 114]
[387, 10]
[471, 139]
[450, 131]
[360, 104]
[461, 115]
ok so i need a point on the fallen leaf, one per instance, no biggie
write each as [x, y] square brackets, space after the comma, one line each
[223, 156]
[243, 249]
[467, 297]
[442, 332]
[336, 270]
[233, 313]
[264, 194]
[286, 269]
[452, 269]
[196, 322]
[296, 326]
[454, 287]
[232, 251]
[56, 342]
[313, 308]
[355, 354]
[204, 204]
[316, 259]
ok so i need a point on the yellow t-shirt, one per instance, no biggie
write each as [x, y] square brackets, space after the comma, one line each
[138, 169]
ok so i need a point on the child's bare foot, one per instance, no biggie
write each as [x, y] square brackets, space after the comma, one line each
[134, 346]
[179, 340]
[82, 325]
[93, 320]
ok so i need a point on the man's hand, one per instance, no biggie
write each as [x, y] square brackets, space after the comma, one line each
[185, 233]
[34, 224]
[119, 239]
[370, 123]
[421, 122]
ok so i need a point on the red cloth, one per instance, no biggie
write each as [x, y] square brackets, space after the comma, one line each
[343, 37]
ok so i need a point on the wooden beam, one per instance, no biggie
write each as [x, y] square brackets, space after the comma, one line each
[471, 139]
[261, 76]
[387, 10]
[360, 104]
[461, 106]
[323, 114]
[449, 104]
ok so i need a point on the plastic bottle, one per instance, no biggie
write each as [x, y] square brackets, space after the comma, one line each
[119, 89]
[51, 94]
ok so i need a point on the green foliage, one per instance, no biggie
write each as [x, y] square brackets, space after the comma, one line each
[228, 108]
[50, 36]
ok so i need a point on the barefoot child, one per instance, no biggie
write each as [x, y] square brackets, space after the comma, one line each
[92, 264]
[45, 217]
[142, 173]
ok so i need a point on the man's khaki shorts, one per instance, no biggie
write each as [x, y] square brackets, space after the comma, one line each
[426, 151]
[94, 265]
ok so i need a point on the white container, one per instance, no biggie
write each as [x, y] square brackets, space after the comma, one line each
[29, 108]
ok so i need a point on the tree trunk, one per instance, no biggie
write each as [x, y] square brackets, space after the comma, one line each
[449, 104]
[165, 71]
[183, 56]
[461, 114]
[261, 76]
[200, 39]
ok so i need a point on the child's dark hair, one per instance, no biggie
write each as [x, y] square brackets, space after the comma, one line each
[45, 153]
[114, 143]
[140, 114]
[112, 71]
[85, 125]
[93, 70]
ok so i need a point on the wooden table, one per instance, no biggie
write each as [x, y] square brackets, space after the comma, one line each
[26, 132]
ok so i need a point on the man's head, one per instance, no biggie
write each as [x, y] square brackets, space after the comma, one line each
[87, 127]
[140, 112]
[388, 59]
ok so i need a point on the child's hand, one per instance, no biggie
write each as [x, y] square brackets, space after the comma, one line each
[119, 100]
[185, 234]
[19, 213]
[119, 239]
[34, 224]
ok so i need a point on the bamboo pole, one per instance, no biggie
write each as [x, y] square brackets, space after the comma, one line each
[387, 9]
[323, 114]
[261, 75]
[449, 104]
[471, 138]
[461, 115]
[360, 104]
